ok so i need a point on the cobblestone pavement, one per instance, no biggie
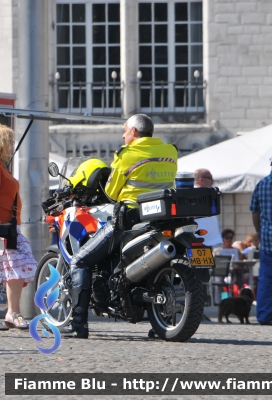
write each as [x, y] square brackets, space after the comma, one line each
[123, 347]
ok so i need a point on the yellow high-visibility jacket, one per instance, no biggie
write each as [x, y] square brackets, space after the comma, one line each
[147, 164]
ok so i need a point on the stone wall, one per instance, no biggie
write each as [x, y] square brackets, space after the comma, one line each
[235, 214]
[237, 36]
[6, 46]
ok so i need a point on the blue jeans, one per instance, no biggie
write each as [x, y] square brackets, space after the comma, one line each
[264, 291]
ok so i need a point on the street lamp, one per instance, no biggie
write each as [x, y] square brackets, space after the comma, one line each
[196, 75]
[57, 78]
[139, 77]
[114, 76]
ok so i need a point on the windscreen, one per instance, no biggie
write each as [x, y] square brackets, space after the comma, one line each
[70, 165]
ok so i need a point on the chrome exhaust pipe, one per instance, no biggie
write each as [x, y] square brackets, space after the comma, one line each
[150, 261]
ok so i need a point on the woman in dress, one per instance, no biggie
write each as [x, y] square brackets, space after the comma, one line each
[17, 267]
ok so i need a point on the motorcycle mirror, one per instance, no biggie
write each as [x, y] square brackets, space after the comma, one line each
[53, 169]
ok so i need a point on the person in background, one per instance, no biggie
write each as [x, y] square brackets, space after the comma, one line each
[252, 252]
[244, 245]
[227, 248]
[261, 208]
[17, 267]
[254, 243]
[203, 178]
[224, 250]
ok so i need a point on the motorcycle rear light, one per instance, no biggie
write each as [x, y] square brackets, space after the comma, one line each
[196, 244]
[173, 209]
[167, 233]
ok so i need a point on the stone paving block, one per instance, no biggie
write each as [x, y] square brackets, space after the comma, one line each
[123, 347]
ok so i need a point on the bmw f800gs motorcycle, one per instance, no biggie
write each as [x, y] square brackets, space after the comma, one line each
[159, 267]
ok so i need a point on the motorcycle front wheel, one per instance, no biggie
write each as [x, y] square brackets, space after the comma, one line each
[59, 314]
[178, 318]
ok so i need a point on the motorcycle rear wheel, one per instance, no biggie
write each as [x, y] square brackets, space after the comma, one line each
[180, 316]
[59, 314]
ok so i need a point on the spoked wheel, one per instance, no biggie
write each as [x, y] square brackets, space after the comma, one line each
[176, 314]
[59, 314]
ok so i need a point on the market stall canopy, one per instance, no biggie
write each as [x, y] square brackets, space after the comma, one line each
[237, 164]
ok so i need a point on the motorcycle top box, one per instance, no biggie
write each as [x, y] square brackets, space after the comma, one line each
[175, 203]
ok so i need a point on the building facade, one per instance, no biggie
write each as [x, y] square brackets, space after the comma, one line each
[183, 61]
[201, 69]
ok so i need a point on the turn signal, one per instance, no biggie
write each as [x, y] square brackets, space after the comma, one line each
[49, 219]
[167, 233]
[201, 232]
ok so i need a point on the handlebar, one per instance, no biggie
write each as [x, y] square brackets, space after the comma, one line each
[80, 195]
[57, 201]
[62, 193]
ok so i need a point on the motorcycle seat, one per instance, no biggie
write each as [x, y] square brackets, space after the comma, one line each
[136, 231]
[141, 226]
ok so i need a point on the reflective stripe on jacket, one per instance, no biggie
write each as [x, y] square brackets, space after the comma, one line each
[147, 164]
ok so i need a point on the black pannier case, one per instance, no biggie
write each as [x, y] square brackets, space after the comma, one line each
[184, 202]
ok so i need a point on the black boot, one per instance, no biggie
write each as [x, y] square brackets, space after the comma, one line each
[78, 328]
[152, 334]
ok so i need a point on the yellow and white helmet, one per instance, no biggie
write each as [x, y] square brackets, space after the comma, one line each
[90, 173]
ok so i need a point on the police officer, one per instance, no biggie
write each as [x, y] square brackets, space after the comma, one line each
[142, 165]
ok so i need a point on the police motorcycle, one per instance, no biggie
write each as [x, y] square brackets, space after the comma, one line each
[160, 266]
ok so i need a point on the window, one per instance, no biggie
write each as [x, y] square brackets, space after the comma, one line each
[153, 54]
[71, 55]
[188, 54]
[106, 56]
[88, 56]
[170, 51]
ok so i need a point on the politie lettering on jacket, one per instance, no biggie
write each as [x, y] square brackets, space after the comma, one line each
[153, 174]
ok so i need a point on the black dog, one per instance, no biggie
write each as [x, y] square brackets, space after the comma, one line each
[239, 306]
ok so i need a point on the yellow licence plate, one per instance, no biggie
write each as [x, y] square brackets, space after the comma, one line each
[201, 257]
